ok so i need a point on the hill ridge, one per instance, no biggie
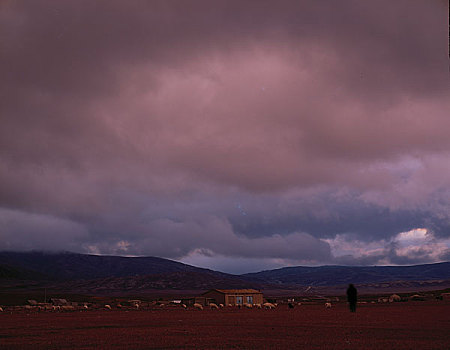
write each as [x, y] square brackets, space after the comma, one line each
[99, 272]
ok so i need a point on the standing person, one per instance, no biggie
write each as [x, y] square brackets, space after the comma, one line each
[352, 296]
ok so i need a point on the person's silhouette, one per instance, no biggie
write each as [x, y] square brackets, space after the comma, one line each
[352, 296]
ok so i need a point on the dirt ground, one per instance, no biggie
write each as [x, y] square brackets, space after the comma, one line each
[409, 325]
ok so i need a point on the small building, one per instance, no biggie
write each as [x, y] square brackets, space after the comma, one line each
[235, 296]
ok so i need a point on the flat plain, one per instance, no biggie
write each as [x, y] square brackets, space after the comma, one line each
[404, 325]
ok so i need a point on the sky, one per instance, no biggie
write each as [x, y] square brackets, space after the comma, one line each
[233, 135]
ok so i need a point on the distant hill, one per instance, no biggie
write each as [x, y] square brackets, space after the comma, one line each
[168, 281]
[14, 272]
[338, 275]
[108, 274]
[94, 274]
[73, 266]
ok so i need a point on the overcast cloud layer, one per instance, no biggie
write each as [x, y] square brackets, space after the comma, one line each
[236, 135]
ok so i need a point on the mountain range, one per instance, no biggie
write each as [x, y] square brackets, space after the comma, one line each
[114, 274]
[336, 275]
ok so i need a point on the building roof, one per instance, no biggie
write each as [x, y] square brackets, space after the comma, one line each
[236, 291]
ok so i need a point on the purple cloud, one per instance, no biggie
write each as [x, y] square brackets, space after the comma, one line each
[147, 125]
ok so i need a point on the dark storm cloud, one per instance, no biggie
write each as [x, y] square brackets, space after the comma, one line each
[22, 231]
[253, 129]
[337, 217]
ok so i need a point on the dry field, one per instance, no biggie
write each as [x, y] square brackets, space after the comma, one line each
[410, 325]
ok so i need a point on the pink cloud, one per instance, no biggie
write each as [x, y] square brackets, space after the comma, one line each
[152, 120]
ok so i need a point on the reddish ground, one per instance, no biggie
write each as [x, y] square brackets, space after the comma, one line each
[410, 325]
